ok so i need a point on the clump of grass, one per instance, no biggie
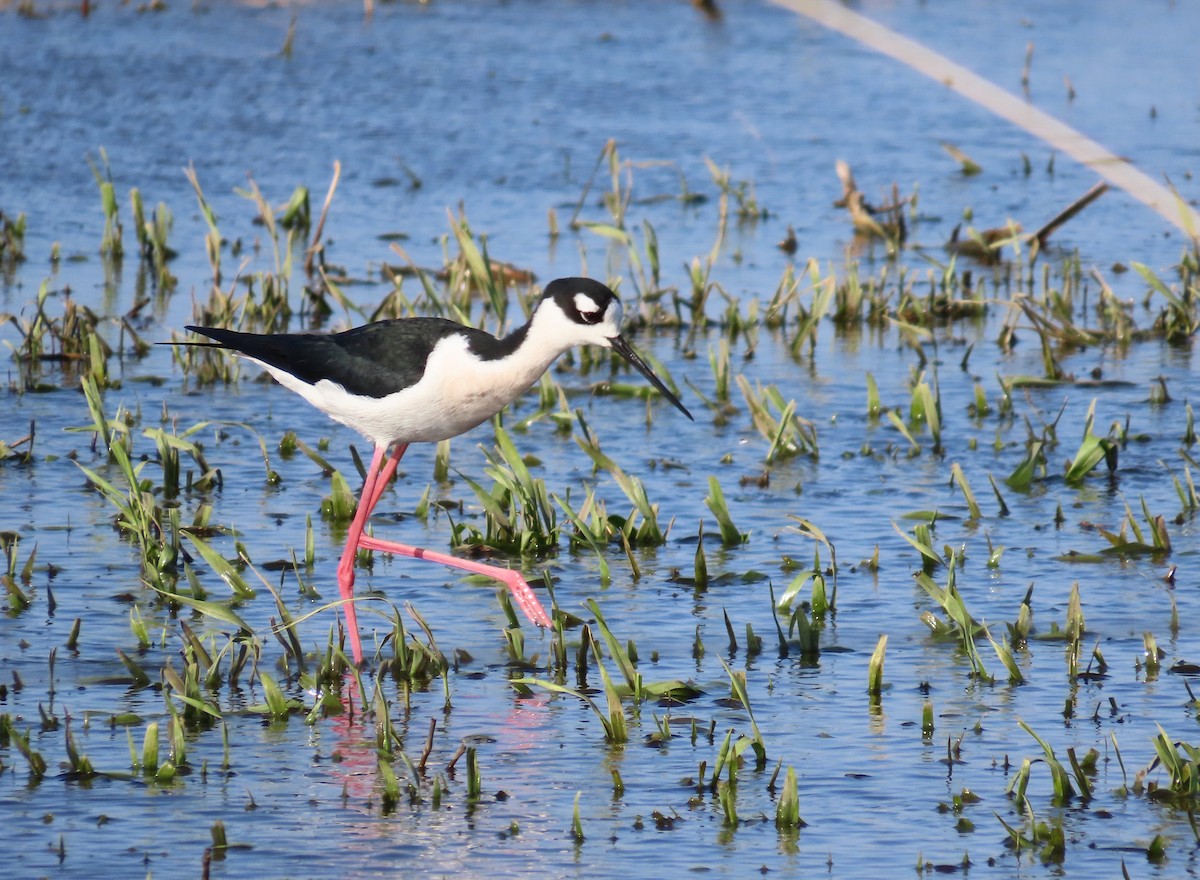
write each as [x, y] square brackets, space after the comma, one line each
[737, 681]
[138, 627]
[700, 561]
[577, 834]
[746, 208]
[390, 795]
[592, 528]
[922, 541]
[153, 530]
[150, 765]
[962, 624]
[1004, 651]
[1187, 493]
[220, 841]
[715, 501]
[1048, 839]
[1151, 655]
[1063, 782]
[874, 405]
[824, 598]
[875, 668]
[884, 222]
[787, 433]
[112, 246]
[23, 743]
[1179, 321]
[474, 776]
[641, 528]
[18, 599]
[719, 361]
[787, 809]
[1131, 541]
[519, 517]
[1092, 451]
[266, 216]
[1181, 762]
[152, 236]
[926, 407]
[613, 721]
[275, 705]
[1031, 467]
[960, 479]
[212, 238]
[414, 664]
[70, 340]
[967, 165]
[194, 689]
[927, 725]
[621, 655]
[807, 630]
[727, 798]
[12, 241]
[840, 302]
[11, 451]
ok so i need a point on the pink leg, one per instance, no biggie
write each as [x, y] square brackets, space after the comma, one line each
[524, 596]
[373, 486]
[389, 471]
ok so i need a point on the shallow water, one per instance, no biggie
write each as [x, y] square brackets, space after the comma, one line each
[503, 108]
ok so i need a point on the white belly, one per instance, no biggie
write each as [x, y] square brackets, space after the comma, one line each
[466, 393]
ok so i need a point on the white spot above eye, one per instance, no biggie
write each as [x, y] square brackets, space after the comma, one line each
[586, 306]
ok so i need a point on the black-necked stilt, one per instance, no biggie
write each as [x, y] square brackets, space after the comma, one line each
[412, 379]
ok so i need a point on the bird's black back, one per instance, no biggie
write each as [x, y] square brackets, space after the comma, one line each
[373, 360]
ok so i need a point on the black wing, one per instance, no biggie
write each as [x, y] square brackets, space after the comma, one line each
[374, 360]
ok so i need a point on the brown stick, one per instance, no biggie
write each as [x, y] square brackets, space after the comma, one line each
[428, 746]
[1068, 212]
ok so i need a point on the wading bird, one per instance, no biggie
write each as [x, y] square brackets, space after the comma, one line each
[428, 379]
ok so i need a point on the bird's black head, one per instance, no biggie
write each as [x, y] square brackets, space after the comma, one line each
[592, 316]
[584, 301]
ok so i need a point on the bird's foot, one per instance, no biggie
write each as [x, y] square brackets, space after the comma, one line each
[525, 598]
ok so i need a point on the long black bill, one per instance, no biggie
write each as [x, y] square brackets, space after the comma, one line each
[623, 348]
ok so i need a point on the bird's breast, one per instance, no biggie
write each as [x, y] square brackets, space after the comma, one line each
[456, 392]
